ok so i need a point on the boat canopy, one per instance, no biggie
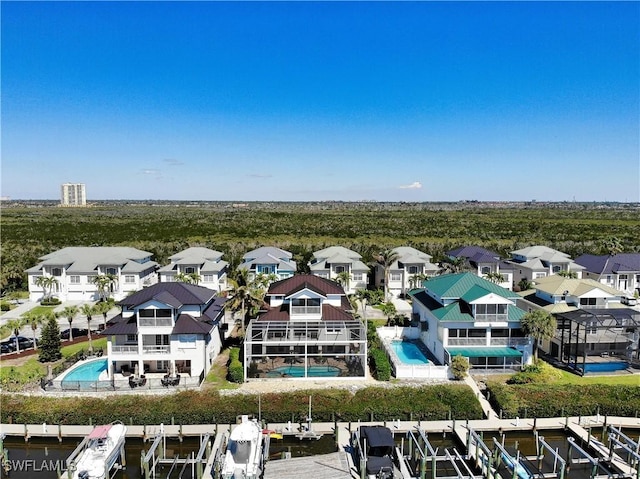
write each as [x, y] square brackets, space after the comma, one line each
[100, 432]
[379, 440]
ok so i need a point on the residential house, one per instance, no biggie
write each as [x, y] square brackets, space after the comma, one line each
[172, 328]
[407, 272]
[537, 262]
[75, 269]
[308, 330]
[485, 263]
[464, 314]
[620, 271]
[269, 260]
[330, 262]
[592, 321]
[202, 263]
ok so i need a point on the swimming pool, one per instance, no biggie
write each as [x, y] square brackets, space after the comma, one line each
[408, 352]
[298, 371]
[89, 371]
[607, 367]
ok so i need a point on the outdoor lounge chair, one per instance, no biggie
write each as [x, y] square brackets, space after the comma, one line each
[175, 381]
[132, 382]
[165, 380]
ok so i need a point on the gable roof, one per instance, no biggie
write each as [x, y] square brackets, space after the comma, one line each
[539, 251]
[299, 282]
[604, 264]
[121, 326]
[173, 294]
[470, 252]
[458, 284]
[195, 255]
[335, 250]
[186, 324]
[557, 285]
[267, 250]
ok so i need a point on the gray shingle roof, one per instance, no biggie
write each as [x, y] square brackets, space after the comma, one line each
[86, 259]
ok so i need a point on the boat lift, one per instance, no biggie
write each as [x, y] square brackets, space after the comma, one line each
[596, 466]
[156, 456]
[621, 441]
[559, 464]
[482, 456]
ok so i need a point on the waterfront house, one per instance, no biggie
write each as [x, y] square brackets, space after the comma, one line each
[485, 263]
[75, 268]
[620, 271]
[203, 266]
[464, 314]
[333, 262]
[172, 328]
[407, 272]
[307, 330]
[269, 260]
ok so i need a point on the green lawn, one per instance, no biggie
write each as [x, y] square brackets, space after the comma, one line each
[41, 309]
[617, 379]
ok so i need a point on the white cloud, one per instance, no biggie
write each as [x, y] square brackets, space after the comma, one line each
[155, 172]
[173, 162]
[416, 185]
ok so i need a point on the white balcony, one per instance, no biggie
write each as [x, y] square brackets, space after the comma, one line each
[130, 349]
[156, 349]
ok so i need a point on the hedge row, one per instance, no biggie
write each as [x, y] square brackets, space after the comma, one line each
[436, 402]
[545, 400]
[380, 365]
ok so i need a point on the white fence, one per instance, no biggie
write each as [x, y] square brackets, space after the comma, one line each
[402, 370]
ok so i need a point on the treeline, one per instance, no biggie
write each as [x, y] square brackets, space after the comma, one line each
[28, 233]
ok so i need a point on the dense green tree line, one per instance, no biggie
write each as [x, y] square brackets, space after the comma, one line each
[28, 233]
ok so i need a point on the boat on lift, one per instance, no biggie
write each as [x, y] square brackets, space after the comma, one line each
[97, 453]
[245, 452]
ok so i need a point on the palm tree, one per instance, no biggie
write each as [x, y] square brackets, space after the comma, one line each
[540, 325]
[40, 281]
[524, 284]
[389, 310]
[344, 278]
[35, 320]
[88, 310]
[568, 274]
[494, 277]
[195, 278]
[386, 258]
[104, 282]
[103, 308]
[244, 294]
[415, 280]
[70, 312]
[15, 325]
[362, 295]
[46, 283]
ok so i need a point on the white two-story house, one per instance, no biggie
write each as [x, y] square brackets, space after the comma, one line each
[330, 262]
[620, 271]
[202, 263]
[407, 272]
[172, 328]
[74, 270]
[463, 314]
[537, 262]
[308, 331]
[485, 263]
[269, 260]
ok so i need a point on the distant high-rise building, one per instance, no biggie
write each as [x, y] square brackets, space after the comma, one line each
[73, 194]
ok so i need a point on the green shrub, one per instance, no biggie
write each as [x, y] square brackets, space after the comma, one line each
[380, 363]
[459, 367]
[235, 369]
[50, 302]
[4, 306]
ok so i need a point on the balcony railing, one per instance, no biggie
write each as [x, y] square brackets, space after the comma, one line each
[302, 310]
[483, 342]
[156, 349]
[156, 322]
[125, 349]
[491, 318]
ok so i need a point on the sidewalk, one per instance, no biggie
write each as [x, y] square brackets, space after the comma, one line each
[486, 407]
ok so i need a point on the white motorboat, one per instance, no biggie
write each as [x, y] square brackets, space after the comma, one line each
[244, 456]
[97, 454]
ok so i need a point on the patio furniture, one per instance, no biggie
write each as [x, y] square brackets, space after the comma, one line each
[165, 380]
[175, 381]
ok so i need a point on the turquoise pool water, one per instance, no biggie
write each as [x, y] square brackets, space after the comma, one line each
[86, 372]
[608, 367]
[298, 371]
[408, 352]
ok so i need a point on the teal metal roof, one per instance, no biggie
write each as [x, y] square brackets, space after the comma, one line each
[485, 352]
[459, 284]
[452, 312]
[474, 293]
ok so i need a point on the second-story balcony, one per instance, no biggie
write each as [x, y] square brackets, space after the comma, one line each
[156, 349]
[305, 310]
[125, 349]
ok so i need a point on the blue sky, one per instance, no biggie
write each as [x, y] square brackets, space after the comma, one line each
[402, 101]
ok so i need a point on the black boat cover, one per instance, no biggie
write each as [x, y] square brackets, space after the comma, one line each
[377, 464]
[379, 440]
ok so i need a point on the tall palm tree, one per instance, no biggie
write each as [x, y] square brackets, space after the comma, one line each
[244, 294]
[389, 310]
[104, 282]
[540, 325]
[70, 312]
[386, 258]
[103, 308]
[88, 310]
[46, 283]
[40, 281]
[415, 280]
[15, 325]
[34, 320]
[344, 278]
[362, 295]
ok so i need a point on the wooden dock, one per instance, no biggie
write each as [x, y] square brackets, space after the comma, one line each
[325, 466]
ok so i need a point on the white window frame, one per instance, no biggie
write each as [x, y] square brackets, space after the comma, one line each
[130, 278]
[74, 279]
